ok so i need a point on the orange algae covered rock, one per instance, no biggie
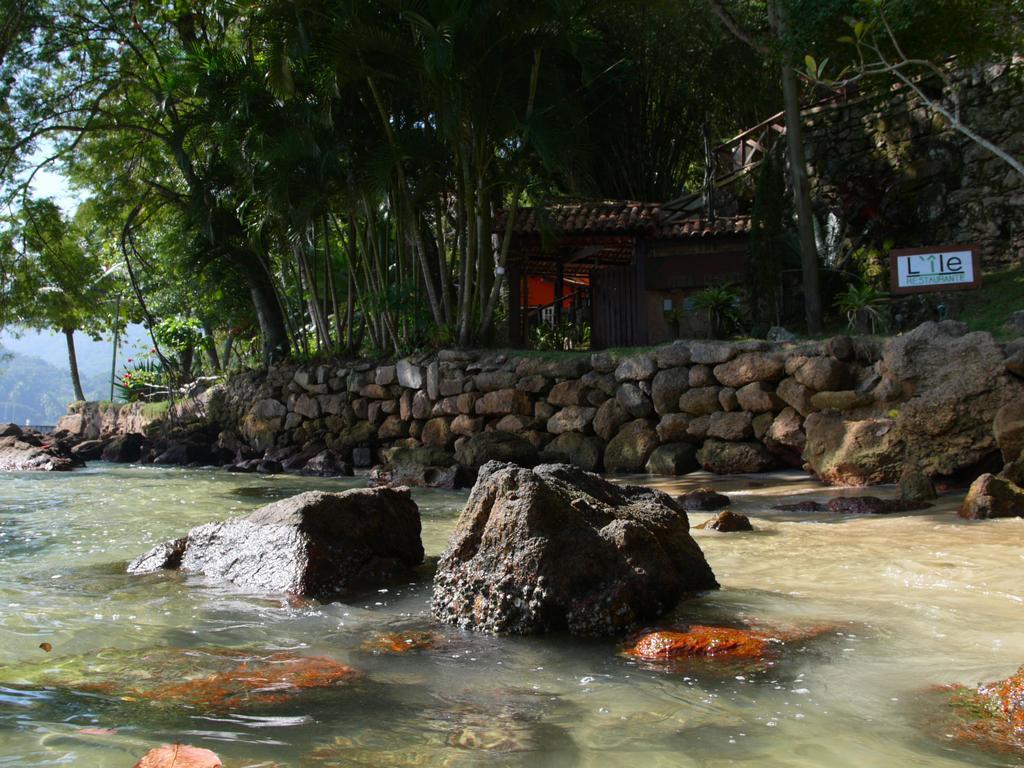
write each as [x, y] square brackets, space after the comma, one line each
[703, 641]
[179, 756]
[259, 680]
[402, 642]
[991, 716]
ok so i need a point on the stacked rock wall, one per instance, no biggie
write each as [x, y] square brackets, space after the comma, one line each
[728, 407]
[853, 411]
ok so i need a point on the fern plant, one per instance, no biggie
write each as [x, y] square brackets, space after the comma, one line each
[862, 306]
[720, 302]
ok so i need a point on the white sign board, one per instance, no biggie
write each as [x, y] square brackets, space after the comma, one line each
[934, 269]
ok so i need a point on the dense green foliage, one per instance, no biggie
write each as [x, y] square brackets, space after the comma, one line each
[266, 178]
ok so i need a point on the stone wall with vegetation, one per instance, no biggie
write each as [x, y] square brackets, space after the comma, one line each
[854, 411]
[887, 167]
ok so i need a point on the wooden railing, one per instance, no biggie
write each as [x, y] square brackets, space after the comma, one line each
[746, 151]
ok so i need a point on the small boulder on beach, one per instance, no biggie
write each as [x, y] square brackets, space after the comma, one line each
[557, 548]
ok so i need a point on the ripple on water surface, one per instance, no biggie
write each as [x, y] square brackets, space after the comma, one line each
[911, 600]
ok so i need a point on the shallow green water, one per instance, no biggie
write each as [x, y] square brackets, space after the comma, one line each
[917, 600]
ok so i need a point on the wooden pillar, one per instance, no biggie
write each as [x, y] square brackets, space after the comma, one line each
[559, 290]
[526, 304]
[640, 334]
[515, 307]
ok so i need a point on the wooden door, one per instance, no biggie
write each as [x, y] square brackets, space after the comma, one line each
[616, 297]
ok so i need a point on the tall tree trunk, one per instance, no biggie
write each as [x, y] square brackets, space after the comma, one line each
[211, 347]
[268, 313]
[226, 356]
[187, 358]
[798, 172]
[468, 286]
[308, 282]
[76, 381]
[339, 328]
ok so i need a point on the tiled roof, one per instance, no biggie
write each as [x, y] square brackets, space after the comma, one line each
[618, 217]
[696, 226]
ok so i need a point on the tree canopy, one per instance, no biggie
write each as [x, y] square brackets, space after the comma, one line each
[323, 176]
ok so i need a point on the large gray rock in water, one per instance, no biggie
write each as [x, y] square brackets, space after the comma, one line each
[556, 548]
[311, 545]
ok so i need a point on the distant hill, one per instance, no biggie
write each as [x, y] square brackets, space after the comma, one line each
[93, 356]
[33, 389]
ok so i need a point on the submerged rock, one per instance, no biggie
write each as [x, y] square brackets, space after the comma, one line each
[872, 505]
[992, 496]
[801, 506]
[557, 548]
[990, 716]
[506, 727]
[179, 756]
[310, 545]
[402, 642]
[31, 452]
[728, 522]
[210, 680]
[703, 641]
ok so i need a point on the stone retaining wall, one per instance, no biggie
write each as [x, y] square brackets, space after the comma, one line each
[727, 407]
[853, 411]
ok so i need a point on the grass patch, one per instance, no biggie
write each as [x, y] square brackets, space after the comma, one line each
[989, 307]
[156, 410]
